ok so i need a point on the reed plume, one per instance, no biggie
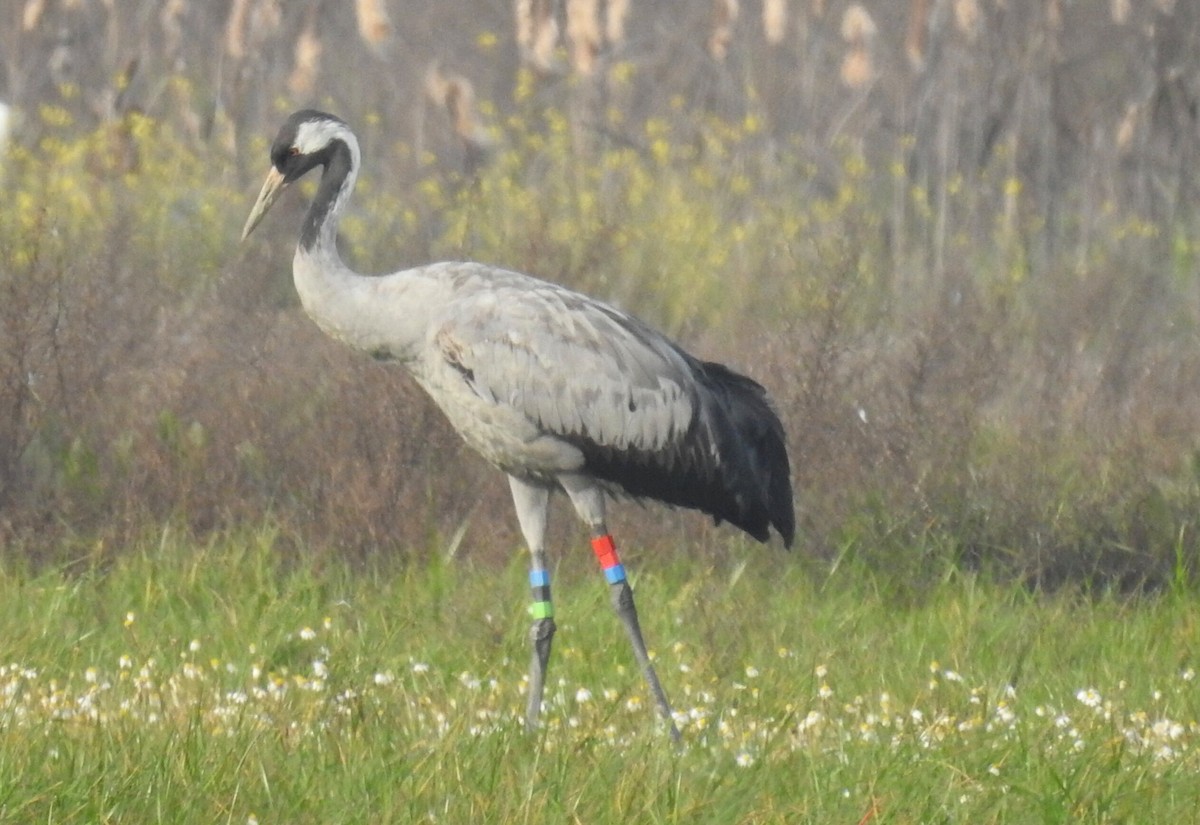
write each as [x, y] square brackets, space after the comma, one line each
[374, 24]
[858, 32]
[724, 15]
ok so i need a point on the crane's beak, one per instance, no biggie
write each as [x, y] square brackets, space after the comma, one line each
[272, 186]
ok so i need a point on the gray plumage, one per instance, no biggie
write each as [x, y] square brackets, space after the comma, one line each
[556, 389]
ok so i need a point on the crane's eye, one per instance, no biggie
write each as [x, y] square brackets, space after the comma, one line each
[295, 150]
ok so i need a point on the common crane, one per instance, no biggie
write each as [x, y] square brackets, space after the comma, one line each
[556, 389]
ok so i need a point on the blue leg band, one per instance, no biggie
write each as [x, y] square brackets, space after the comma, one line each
[615, 574]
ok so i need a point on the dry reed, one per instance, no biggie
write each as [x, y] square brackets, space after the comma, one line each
[858, 31]
[374, 25]
[775, 19]
[583, 31]
[306, 58]
[537, 34]
[724, 16]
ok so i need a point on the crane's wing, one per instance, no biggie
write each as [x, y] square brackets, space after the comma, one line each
[574, 367]
[518, 357]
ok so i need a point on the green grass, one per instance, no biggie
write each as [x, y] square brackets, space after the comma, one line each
[225, 683]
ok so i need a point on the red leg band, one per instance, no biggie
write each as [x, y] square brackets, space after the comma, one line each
[606, 551]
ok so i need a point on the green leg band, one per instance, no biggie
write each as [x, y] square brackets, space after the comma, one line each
[541, 610]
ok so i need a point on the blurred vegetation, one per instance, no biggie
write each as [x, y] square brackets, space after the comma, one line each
[966, 268]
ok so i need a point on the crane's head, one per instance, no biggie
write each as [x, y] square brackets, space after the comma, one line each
[306, 140]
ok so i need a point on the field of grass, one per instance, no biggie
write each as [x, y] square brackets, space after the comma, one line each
[241, 682]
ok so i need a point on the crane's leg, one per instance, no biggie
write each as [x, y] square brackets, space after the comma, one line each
[589, 503]
[622, 599]
[533, 503]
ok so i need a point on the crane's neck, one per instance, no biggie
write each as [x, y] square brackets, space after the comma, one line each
[329, 290]
[318, 236]
[348, 306]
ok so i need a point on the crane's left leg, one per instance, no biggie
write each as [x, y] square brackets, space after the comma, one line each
[589, 503]
[533, 503]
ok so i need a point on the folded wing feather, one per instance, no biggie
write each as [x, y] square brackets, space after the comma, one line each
[574, 367]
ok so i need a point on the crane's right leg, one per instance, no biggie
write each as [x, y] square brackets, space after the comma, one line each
[589, 503]
[533, 504]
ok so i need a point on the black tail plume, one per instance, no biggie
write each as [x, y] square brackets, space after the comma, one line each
[731, 464]
[753, 449]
